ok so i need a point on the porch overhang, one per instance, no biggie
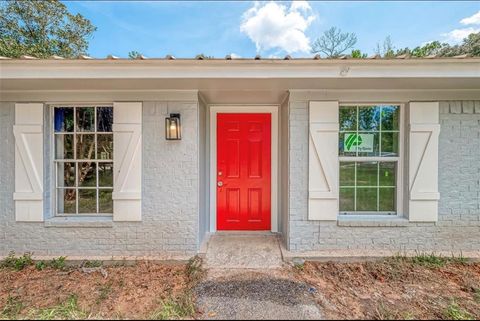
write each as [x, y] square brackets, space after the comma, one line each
[262, 81]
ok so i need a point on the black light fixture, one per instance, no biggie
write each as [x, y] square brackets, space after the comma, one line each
[173, 129]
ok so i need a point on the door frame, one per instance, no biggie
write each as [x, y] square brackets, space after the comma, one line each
[259, 109]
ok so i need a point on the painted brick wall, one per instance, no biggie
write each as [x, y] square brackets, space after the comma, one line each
[169, 227]
[458, 228]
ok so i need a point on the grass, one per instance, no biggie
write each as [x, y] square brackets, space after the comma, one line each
[92, 264]
[175, 308]
[428, 260]
[455, 312]
[476, 295]
[68, 310]
[19, 263]
[182, 306]
[382, 312]
[12, 308]
[299, 266]
[57, 264]
[40, 265]
[104, 292]
[16, 263]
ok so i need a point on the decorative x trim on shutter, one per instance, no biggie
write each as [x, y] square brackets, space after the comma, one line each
[323, 161]
[28, 133]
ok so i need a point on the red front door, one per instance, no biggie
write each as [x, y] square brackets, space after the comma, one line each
[243, 171]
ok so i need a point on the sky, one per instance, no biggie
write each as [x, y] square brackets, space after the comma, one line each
[268, 28]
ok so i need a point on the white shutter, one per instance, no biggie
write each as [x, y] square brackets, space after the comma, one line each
[323, 164]
[423, 161]
[127, 157]
[28, 133]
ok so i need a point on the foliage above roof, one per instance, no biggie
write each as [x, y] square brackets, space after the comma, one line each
[42, 29]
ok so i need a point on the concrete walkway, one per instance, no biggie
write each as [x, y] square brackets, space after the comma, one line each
[247, 280]
[243, 251]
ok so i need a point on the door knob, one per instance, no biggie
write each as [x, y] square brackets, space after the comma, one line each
[220, 184]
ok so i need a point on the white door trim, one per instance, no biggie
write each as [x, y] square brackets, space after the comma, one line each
[214, 110]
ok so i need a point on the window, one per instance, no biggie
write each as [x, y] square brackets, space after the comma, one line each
[369, 152]
[83, 156]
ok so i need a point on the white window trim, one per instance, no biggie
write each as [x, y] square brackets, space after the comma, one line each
[213, 111]
[53, 161]
[400, 159]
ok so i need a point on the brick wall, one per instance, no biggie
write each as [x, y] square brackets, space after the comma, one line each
[458, 228]
[169, 227]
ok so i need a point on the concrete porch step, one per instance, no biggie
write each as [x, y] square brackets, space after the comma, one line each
[241, 250]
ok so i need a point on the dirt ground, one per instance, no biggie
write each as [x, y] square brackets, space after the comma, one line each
[112, 292]
[397, 288]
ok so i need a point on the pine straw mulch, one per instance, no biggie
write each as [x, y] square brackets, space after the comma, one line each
[396, 288]
[131, 292]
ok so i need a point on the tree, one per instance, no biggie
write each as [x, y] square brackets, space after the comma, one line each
[203, 56]
[431, 48]
[469, 46]
[357, 53]
[134, 54]
[42, 29]
[334, 42]
[387, 49]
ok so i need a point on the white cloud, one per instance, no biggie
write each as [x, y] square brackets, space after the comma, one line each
[472, 20]
[300, 6]
[273, 25]
[457, 35]
[235, 56]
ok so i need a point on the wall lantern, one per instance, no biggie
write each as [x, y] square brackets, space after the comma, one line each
[173, 129]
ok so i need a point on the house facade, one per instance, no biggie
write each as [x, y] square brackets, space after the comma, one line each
[117, 158]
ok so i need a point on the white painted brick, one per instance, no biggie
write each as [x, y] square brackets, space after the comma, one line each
[468, 107]
[170, 205]
[459, 177]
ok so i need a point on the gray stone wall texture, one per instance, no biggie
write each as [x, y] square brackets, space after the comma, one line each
[458, 227]
[169, 226]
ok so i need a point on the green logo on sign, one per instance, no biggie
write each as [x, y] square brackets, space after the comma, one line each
[353, 140]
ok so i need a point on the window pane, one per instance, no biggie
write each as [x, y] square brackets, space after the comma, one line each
[389, 144]
[368, 144]
[105, 146]
[63, 119]
[387, 174]
[87, 174]
[348, 118]
[347, 199]
[368, 131]
[105, 201]
[66, 201]
[64, 146]
[87, 201]
[85, 119]
[66, 174]
[104, 119]
[390, 117]
[367, 199]
[367, 173]
[343, 148]
[105, 174]
[85, 146]
[387, 199]
[368, 118]
[347, 174]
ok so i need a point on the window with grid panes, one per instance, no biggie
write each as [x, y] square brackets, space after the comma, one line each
[83, 141]
[369, 146]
